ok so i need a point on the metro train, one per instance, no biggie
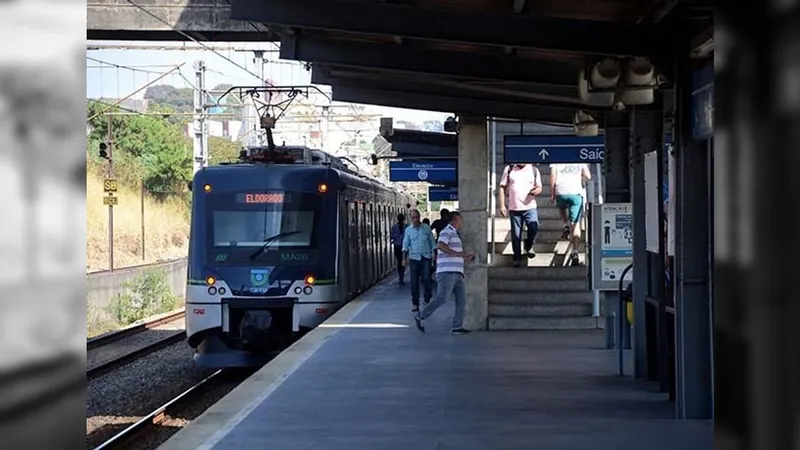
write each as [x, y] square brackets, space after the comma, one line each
[279, 241]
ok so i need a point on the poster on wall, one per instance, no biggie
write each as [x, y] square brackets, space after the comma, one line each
[652, 203]
[671, 207]
[612, 246]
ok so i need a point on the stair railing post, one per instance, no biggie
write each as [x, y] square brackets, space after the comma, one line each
[493, 189]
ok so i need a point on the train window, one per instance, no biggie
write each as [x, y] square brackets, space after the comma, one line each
[237, 223]
[253, 228]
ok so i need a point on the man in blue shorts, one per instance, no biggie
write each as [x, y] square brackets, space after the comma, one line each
[566, 191]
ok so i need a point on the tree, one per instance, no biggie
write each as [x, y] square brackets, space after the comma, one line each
[147, 149]
[182, 99]
[222, 150]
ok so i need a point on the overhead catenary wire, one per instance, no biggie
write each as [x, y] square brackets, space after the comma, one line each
[119, 66]
[135, 92]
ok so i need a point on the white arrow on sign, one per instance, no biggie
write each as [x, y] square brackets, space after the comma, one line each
[543, 153]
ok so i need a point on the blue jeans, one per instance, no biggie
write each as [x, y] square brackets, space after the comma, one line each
[531, 220]
[420, 269]
[448, 283]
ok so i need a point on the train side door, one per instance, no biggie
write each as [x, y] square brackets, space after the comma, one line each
[353, 248]
[381, 240]
[362, 246]
[371, 244]
[344, 250]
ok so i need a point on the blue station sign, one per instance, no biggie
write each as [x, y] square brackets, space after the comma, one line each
[442, 171]
[442, 194]
[553, 149]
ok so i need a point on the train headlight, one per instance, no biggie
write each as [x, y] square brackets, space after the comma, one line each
[298, 290]
[207, 188]
[210, 280]
[221, 291]
[308, 290]
[212, 290]
[322, 188]
[310, 279]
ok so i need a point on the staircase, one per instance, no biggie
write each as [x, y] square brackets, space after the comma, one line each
[539, 298]
[547, 294]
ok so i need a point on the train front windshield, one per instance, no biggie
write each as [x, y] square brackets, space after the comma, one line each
[247, 226]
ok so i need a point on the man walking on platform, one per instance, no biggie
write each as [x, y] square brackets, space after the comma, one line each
[449, 276]
[521, 183]
[418, 247]
[566, 191]
[398, 230]
[439, 224]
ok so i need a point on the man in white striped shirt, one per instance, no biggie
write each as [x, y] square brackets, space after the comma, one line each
[449, 275]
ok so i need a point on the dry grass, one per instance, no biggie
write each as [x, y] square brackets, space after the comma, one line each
[166, 228]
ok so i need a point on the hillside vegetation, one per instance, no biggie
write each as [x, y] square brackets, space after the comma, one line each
[166, 224]
[150, 151]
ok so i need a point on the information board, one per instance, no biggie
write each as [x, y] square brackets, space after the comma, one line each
[442, 194]
[653, 203]
[443, 171]
[612, 245]
[553, 149]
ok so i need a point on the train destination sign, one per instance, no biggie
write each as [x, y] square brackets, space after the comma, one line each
[442, 194]
[260, 198]
[553, 149]
[439, 171]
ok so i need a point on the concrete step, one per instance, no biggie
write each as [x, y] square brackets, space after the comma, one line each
[545, 323]
[505, 248]
[529, 284]
[545, 210]
[538, 273]
[540, 310]
[541, 260]
[504, 223]
[546, 236]
[540, 297]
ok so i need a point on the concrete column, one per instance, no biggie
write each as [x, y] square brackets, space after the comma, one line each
[693, 331]
[473, 182]
[617, 189]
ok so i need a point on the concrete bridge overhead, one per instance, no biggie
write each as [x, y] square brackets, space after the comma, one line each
[169, 20]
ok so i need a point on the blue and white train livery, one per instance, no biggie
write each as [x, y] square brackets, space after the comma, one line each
[279, 242]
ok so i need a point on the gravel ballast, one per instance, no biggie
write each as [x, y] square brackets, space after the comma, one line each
[120, 398]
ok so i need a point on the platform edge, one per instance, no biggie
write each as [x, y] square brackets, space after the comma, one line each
[205, 431]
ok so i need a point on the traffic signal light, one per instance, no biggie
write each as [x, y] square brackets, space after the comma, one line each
[103, 153]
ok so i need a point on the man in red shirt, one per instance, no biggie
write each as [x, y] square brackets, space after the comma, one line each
[521, 183]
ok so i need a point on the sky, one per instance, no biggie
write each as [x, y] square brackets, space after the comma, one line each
[113, 82]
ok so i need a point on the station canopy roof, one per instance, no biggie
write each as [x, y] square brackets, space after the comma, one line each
[504, 58]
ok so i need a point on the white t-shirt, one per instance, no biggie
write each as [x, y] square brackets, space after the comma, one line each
[568, 179]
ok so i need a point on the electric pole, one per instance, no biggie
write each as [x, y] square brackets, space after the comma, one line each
[200, 141]
[258, 59]
[110, 206]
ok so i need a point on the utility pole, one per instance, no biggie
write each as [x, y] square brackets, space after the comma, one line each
[258, 59]
[325, 128]
[110, 206]
[200, 142]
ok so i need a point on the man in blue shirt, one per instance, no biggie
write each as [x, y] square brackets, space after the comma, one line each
[418, 247]
[398, 230]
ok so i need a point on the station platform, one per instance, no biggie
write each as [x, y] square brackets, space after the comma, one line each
[368, 379]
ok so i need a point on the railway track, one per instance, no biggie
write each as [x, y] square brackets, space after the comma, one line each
[138, 352]
[171, 408]
[114, 336]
